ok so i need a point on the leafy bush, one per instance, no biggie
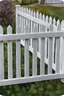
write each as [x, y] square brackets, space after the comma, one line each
[6, 13]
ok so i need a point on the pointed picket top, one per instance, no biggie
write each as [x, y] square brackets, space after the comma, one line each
[47, 18]
[37, 14]
[1, 29]
[54, 21]
[50, 20]
[62, 25]
[29, 11]
[58, 22]
[9, 29]
[34, 14]
[43, 17]
[51, 28]
[25, 10]
[40, 16]
[59, 27]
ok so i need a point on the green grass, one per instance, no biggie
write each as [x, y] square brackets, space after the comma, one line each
[57, 12]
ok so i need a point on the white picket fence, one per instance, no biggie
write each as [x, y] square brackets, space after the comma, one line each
[44, 38]
[48, 50]
[26, 38]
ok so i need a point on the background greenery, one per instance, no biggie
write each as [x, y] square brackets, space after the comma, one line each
[55, 12]
[45, 88]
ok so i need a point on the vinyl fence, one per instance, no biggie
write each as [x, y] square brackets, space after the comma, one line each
[43, 37]
[50, 75]
[41, 23]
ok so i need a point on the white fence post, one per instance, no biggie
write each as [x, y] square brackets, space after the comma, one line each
[57, 53]
[18, 57]
[1, 56]
[17, 16]
[62, 52]
[50, 52]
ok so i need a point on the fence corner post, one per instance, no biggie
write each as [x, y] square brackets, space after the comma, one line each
[62, 52]
[17, 21]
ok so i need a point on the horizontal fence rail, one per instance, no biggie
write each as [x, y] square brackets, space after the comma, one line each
[31, 35]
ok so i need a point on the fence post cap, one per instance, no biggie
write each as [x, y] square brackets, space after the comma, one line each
[17, 5]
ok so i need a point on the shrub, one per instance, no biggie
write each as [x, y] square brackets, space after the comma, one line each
[6, 13]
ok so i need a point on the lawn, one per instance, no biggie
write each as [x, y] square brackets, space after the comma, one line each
[57, 12]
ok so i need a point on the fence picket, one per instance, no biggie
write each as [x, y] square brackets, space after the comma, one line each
[31, 26]
[42, 61]
[34, 65]
[29, 11]
[58, 22]
[62, 51]
[46, 18]
[61, 47]
[50, 20]
[40, 16]
[57, 58]
[50, 52]
[26, 54]
[51, 29]
[34, 16]
[41, 29]
[18, 57]
[43, 17]
[37, 14]
[10, 68]
[1, 56]
[54, 21]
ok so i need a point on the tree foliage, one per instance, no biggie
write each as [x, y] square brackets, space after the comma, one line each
[6, 13]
